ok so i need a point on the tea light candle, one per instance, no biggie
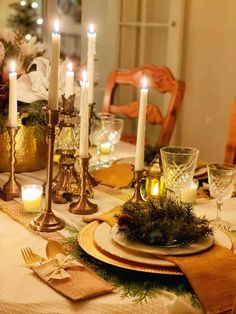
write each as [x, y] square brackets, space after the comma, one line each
[32, 198]
[189, 194]
[105, 148]
[12, 115]
[69, 87]
[139, 154]
[55, 57]
[90, 61]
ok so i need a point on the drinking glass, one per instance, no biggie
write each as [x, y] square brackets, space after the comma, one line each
[178, 166]
[221, 185]
[115, 127]
[99, 136]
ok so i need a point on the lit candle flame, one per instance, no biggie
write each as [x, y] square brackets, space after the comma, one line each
[69, 67]
[56, 26]
[144, 82]
[155, 189]
[13, 66]
[91, 28]
[85, 76]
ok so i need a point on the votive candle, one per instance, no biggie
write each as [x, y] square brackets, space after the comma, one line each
[32, 198]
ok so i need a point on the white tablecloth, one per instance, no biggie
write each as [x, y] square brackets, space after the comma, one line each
[22, 292]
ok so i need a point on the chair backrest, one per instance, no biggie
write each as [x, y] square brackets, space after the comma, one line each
[160, 79]
[230, 149]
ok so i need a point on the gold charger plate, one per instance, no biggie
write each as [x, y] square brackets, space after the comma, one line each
[86, 242]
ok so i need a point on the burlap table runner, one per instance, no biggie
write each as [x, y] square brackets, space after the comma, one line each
[83, 284]
[211, 273]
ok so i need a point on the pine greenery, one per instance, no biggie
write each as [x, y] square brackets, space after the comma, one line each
[162, 222]
[23, 19]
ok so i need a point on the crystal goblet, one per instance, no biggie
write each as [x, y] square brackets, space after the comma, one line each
[178, 166]
[221, 185]
[99, 137]
[115, 127]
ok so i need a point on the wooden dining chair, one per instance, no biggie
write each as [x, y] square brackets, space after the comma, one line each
[160, 79]
[230, 149]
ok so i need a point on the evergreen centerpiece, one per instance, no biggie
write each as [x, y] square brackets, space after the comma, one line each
[162, 222]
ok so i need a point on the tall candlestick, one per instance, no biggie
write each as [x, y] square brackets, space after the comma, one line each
[12, 112]
[84, 121]
[69, 87]
[90, 62]
[55, 57]
[139, 155]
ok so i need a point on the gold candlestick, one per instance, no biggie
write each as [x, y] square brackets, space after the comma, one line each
[83, 206]
[137, 197]
[66, 183]
[47, 221]
[11, 188]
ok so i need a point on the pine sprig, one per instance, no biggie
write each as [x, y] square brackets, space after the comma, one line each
[139, 286]
[162, 222]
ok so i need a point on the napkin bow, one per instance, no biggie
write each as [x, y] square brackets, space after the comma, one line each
[56, 268]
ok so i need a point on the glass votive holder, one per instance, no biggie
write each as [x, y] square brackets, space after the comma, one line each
[189, 194]
[32, 198]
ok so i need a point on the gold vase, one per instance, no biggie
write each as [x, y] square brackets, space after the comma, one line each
[31, 149]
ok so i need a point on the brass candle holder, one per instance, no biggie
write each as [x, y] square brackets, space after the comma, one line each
[83, 206]
[11, 188]
[47, 221]
[66, 182]
[137, 197]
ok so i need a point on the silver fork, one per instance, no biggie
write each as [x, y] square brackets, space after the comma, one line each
[30, 257]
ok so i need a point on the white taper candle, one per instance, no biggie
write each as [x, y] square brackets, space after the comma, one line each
[84, 117]
[90, 62]
[55, 57]
[139, 155]
[12, 111]
[69, 86]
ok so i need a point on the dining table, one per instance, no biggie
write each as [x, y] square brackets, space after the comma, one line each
[21, 291]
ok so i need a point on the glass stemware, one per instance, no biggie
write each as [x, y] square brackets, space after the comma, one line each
[221, 185]
[178, 166]
[115, 127]
[99, 137]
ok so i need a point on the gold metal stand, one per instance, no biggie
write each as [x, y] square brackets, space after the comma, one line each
[47, 221]
[66, 183]
[83, 206]
[11, 188]
[137, 197]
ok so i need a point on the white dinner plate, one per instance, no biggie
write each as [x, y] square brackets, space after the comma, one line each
[219, 237]
[103, 240]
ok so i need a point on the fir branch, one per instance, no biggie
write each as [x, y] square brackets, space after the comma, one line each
[162, 222]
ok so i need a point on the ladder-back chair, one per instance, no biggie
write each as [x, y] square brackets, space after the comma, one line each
[160, 79]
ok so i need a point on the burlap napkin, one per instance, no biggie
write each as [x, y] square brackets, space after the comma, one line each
[71, 279]
[211, 273]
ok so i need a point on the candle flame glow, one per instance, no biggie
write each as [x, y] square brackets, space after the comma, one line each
[13, 66]
[56, 26]
[69, 67]
[85, 76]
[91, 28]
[144, 82]
[155, 189]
